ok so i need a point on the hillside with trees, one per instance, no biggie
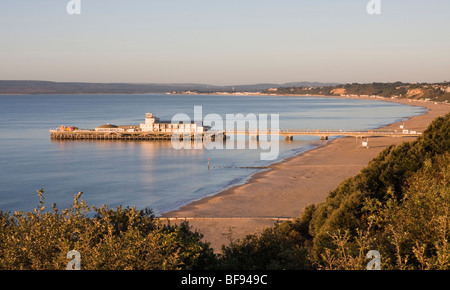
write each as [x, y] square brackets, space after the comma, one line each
[439, 92]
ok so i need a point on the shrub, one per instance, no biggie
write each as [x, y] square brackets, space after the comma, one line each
[108, 239]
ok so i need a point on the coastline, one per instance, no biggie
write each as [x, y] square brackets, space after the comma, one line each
[291, 184]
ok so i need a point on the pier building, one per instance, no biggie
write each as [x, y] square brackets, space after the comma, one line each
[153, 124]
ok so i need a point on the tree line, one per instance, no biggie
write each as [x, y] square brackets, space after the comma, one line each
[435, 92]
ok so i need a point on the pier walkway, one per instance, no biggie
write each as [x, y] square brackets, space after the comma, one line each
[324, 134]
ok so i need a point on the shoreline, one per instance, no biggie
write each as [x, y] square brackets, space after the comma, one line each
[291, 184]
[270, 167]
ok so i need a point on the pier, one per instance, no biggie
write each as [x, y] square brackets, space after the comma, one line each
[144, 136]
[288, 134]
[324, 134]
[153, 129]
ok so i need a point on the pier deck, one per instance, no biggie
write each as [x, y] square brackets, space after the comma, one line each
[324, 134]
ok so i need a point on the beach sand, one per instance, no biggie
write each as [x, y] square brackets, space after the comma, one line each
[289, 186]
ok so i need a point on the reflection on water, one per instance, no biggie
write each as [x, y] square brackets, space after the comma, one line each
[152, 173]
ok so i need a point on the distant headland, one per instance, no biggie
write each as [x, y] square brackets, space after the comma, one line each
[48, 87]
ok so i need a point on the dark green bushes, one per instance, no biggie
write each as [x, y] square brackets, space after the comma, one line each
[109, 240]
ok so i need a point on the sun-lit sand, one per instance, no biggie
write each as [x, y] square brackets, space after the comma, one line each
[289, 186]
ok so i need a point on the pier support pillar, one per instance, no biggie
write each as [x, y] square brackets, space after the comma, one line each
[289, 138]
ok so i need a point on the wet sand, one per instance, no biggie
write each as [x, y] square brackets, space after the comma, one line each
[289, 186]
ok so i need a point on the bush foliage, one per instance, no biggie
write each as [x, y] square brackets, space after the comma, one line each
[107, 239]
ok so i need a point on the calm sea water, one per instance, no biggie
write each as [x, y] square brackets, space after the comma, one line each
[145, 173]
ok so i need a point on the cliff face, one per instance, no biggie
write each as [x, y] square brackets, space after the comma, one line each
[415, 93]
[338, 91]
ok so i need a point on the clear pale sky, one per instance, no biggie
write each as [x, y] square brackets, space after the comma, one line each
[225, 42]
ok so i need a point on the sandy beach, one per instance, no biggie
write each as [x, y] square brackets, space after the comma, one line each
[289, 186]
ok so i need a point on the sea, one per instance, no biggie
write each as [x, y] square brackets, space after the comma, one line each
[153, 174]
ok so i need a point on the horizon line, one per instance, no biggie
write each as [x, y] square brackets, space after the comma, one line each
[218, 85]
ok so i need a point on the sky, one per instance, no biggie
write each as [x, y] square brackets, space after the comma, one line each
[225, 42]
